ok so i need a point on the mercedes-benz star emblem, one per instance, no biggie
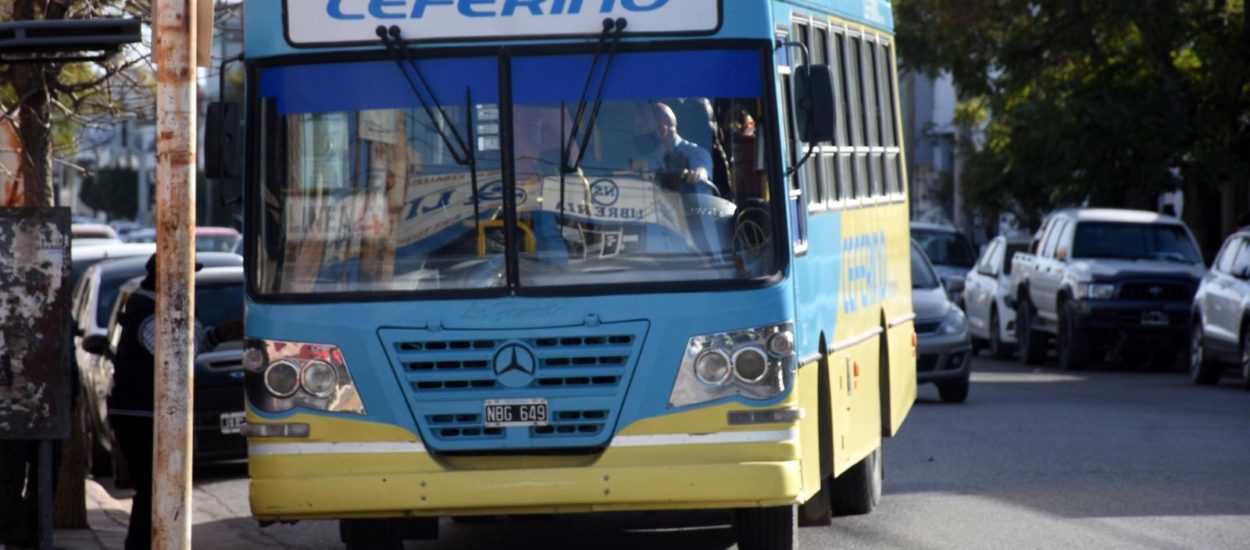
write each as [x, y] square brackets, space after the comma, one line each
[514, 365]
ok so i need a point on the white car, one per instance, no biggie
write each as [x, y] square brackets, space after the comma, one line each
[1219, 334]
[987, 297]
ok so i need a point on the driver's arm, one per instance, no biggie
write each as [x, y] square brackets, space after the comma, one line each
[700, 162]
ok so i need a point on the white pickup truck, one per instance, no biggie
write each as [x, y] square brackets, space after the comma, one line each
[1113, 284]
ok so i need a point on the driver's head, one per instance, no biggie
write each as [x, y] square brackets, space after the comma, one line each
[658, 121]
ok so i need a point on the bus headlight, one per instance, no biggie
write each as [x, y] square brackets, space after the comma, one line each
[755, 363]
[712, 367]
[281, 376]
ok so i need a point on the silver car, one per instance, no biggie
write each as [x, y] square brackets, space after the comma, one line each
[1220, 326]
[950, 252]
[945, 349]
[988, 297]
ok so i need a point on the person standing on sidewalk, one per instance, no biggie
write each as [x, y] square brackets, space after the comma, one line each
[131, 401]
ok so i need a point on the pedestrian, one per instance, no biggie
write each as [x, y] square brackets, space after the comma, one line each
[131, 401]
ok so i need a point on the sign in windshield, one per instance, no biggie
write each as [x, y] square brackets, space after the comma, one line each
[312, 22]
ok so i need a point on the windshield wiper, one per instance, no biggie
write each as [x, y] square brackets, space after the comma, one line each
[462, 152]
[613, 31]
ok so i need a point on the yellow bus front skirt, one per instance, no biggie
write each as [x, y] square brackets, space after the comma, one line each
[385, 472]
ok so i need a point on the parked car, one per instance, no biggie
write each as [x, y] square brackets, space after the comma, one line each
[1220, 325]
[82, 259]
[93, 302]
[92, 234]
[216, 239]
[142, 235]
[207, 239]
[988, 298]
[950, 251]
[944, 347]
[219, 391]
[125, 228]
[1106, 283]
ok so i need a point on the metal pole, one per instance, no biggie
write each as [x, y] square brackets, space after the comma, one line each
[175, 27]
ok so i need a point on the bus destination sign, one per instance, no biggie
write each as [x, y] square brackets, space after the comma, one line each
[326, 22]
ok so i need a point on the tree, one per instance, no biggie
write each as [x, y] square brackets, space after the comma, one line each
[1101, 101]
[48, 100]
[112, 190]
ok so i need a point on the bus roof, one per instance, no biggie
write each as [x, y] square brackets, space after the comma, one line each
[286, 27]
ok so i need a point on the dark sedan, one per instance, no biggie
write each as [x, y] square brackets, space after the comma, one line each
[218, 372]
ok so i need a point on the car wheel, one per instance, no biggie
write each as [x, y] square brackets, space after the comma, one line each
[1072, 343]
[1032, 343]
[998, 349]
[953, 392]
[858, 490]
[1201, 371]
[774, 528]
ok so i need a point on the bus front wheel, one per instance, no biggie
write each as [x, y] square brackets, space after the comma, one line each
[858, 490]
[775, 528]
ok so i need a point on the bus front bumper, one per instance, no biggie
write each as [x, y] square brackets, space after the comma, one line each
[326, 480]
[659, 487]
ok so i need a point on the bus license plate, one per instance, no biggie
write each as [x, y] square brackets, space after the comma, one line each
[502, 413]
[232, 423]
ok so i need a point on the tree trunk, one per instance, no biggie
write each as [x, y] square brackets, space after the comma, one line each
[35, 131]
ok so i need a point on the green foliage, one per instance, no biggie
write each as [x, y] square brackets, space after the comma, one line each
[114, 191]
[1090, 100]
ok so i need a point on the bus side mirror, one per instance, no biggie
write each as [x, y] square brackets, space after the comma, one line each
[813, 89]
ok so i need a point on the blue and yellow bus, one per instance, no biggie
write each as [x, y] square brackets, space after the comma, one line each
[565, 256]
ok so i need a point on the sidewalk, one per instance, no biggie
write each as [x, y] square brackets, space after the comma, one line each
[108, 517]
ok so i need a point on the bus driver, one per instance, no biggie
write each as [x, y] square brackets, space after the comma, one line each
[664, 151]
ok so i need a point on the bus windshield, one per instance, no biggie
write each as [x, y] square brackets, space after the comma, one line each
[366, 194]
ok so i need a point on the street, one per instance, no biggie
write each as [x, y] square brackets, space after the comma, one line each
[1035, 459]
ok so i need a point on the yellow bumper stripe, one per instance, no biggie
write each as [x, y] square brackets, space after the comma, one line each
[273, 449]
[661, 440]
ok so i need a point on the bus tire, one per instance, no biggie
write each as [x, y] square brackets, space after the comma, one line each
[774, 528]
[858, 490]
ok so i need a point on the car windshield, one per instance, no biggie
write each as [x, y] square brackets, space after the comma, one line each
[370, 192]
[1134, 241]
[946, 247]
[922, 275]
[215, 243]
[218, 304]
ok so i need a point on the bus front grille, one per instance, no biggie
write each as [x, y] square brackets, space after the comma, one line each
[580, 373]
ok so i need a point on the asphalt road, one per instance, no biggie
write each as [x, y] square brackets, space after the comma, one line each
[1036, 458]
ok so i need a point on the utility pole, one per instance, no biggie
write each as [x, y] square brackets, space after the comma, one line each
[174, 22]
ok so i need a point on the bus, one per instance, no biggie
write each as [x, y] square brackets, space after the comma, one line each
[570, 256]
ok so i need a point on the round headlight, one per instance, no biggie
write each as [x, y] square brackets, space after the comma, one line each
[712, 367]
[781, 343]
[319, 378]
[750, 364]
[254, 359]
[282, 378]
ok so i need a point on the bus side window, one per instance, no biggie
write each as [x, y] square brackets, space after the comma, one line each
[854, 73]
[893, 154]
[795, 201]
[846, 177]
